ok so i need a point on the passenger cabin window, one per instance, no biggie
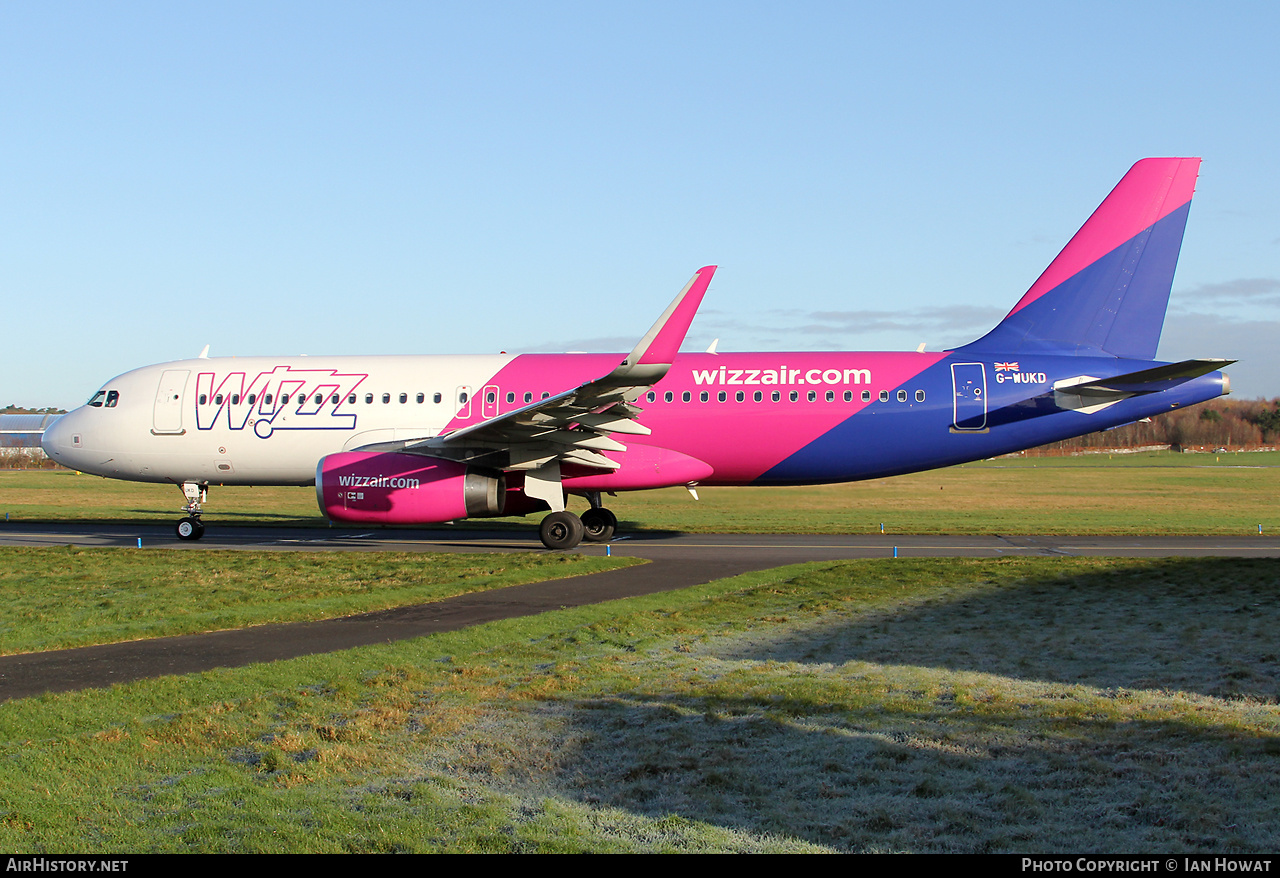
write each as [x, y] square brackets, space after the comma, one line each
[702, 396]
[204, 398]
[284, 399]
[795, 395]
[334, 399]
[404, 397]
[776, 396]
[435, 397]
[528, 397]
[902, 396]
[368, 398]
[668, 396]
[757, 396]
[739, 396]
[422, 397]
[813, 395]
[866, 396]
[884, 396]
[831, 396]
[235, 399]
[511, 397]
[462, 398]
[96, 399]
[489, 397]
[217, 400]
[685, 396]
[351, 398]
[848, 396]
[651, 396]
[721, 396]
[919, 396]
[113, 397]
[386, 398]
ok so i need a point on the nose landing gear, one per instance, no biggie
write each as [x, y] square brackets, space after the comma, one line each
[191, 527]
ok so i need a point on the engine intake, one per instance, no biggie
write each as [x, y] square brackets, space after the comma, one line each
[391, 488]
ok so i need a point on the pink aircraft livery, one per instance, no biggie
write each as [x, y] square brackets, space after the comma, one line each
[419, 439]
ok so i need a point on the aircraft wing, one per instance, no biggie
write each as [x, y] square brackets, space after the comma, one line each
[574, 426]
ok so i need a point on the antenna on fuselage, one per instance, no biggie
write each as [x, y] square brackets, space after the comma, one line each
[204, 354]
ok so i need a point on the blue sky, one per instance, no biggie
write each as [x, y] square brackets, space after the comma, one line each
[281, 178]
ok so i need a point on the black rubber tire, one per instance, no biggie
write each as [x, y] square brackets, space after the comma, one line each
[598, 525]
[189, 529]
[561, 530]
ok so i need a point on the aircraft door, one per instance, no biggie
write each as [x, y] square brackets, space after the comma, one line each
[489, 404]
[167, 416]
[462, 402]
[969, 400]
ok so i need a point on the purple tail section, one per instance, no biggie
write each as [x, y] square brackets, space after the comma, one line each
[1107, 291]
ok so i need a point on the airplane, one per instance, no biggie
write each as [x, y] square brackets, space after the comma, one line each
[402, 440]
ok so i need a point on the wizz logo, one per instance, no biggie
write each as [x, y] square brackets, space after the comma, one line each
[282, 399]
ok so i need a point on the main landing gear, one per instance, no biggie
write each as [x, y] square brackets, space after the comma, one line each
[564, 530]
[561, 530]
[191, 527]
[598, 525]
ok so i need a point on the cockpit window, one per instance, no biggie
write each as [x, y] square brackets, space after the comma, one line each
[96, 401]
[113, 397]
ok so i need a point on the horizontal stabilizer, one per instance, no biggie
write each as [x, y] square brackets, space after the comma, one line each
[1088, 394]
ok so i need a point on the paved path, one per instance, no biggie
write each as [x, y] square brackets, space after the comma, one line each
[676, 561]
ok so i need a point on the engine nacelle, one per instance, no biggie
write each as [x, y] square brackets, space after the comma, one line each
[389, 488]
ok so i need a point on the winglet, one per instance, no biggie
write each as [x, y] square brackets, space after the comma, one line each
[655, 352]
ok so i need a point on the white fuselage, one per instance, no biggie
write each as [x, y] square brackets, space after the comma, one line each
[262, 420]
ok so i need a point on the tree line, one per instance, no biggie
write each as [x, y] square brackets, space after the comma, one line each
[1240, 424]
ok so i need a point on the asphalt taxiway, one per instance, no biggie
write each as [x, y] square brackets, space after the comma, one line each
[676, 561]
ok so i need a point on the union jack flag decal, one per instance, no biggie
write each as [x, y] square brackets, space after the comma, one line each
[1006, 367]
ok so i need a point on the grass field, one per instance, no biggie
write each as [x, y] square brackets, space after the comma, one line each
[63, 597]
[1025, 705]
[1153, 492]
[1013, 705]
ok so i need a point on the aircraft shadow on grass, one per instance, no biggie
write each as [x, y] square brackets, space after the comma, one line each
[1208, 626]
[791, 737]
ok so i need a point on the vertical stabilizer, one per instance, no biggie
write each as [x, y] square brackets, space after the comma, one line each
[1107, 291]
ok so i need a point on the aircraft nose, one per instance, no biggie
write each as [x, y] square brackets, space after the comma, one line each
[57, 440]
